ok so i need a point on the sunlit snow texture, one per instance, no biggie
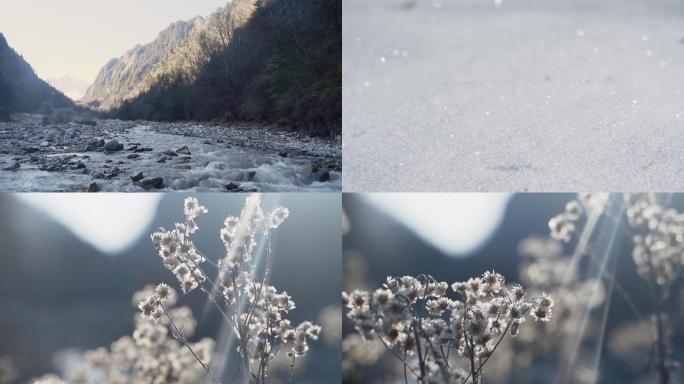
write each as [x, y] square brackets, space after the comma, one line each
[513, 95]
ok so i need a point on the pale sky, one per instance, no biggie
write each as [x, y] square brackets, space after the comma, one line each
[77, 37]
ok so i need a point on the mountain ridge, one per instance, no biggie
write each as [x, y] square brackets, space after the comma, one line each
[123, 77]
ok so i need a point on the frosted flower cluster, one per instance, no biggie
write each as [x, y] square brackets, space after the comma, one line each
[564, 225]
[178, 252]
[443, 339]
[254, 309]
[152, 354]
[658, 238]
[546, 267]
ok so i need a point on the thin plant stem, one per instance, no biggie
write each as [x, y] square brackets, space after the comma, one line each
[182, 339]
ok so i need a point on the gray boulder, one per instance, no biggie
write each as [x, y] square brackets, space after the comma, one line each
[93, 145]
[113, 146]
[184, 151]
[152, 183]
[12, 166]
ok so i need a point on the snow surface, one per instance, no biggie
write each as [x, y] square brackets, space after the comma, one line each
[513, 95]
[249, 159]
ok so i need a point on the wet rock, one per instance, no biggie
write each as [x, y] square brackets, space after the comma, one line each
[138, 150]
[12, 166]
[56, 164]
[232, 187]
[183, 166]
[107, 173]
[216, 165]
[91, 123]
[72, 134]
[31, 149]
[93, 187]
[92, 145]
[169, 152]
[324, 176]
[184, 150]
[309, 170]
[153, 183]
[137, 177]
[80, 165]
[133, 148]
[133, 156]
[282, 153]
[113, 146]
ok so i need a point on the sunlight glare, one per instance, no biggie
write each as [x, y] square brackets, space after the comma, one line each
[457, 224]
[110, 222]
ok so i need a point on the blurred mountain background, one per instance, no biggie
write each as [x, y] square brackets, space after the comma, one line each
[72, 87]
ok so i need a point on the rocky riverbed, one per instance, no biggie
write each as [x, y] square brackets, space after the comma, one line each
[114, 155]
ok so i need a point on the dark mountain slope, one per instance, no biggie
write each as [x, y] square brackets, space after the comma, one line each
[20, 88]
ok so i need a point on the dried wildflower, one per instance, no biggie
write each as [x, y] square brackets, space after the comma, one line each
[165, 293]
[254, 309]
[152, 354]
[414, 317]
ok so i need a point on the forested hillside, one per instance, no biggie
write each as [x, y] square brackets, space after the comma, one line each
[269, 60]
[20, 89]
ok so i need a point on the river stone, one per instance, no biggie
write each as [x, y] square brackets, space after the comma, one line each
[184, 151]
[137, 177]
[153, 183]
[325, 176]
[113, 146]
[91, 123]
[13, 166]
[92, 145]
